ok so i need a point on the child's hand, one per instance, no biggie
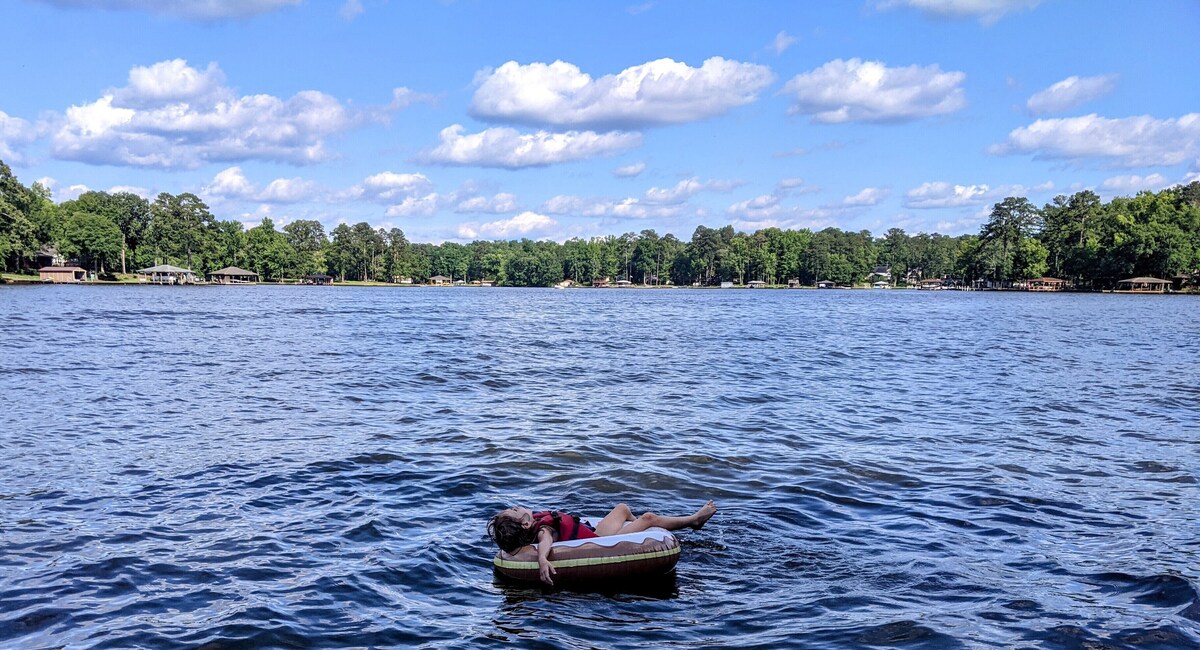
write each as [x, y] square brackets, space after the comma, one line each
[546, 571]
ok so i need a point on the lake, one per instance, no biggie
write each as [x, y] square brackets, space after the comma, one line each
[314, 466]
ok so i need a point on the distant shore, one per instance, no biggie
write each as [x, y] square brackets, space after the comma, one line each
[133, 280]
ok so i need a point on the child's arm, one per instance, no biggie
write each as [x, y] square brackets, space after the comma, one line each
[545, 569]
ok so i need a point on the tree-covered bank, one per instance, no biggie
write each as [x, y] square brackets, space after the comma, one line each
[1079, 238]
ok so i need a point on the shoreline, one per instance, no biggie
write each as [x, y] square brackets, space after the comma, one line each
[22, 280]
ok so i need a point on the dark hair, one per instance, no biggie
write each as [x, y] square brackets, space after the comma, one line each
[508, 533]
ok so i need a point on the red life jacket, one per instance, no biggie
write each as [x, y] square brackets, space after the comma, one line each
[566, 525]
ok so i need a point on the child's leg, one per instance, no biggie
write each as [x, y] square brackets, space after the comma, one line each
[651, 520]
[614, 520]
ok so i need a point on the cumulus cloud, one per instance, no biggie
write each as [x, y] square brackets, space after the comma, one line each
[987, 11]
[1133, 183]
[867, 197]
[173, 116]
[387, 186]
[659, 92]
[686, 189]
[522, 225]
[869, 91]
[782, 42]
[1140, 141]
[629, 171]
[1070, 92]
[511, 149]
[944, 195]
[14, 134]
[203, 10]
[495, 204]
[411, 206]
[232, 183]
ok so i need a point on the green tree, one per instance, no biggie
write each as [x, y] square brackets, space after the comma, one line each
[93, 238]
[179, 227]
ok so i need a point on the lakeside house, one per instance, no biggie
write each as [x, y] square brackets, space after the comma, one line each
[49, 256]
[1143, 285]
[320, 279]
[1046, 284]
[826, 284]
[167, 274]
[884, 272]
[233, 275]
[794, 283]
[62, 274]
[439, 281]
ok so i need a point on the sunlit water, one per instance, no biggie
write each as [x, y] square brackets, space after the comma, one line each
[311, 466]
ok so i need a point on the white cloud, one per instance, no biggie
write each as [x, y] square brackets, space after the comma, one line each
[412, 206]
[1132, 183]
[782, 42]
[868, 196]
[288, 190]
[174, 116]
[386, 186]
[1139, 141]
[130, 189]
[508, 148]
[944, 195]
[71, 192]
[790, 153]
[685, 190]
[655, 93]
[187, 9]
[629, 171]
[869, 91]
[1069, 93]
[987, 11]
[14, 133]
[232, 184]
[790, 183]
[565, 204]
[522, 225]
[495, 204]
[169, 82]
[351, 9]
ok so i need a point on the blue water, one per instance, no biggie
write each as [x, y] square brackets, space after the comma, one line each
[313, 466]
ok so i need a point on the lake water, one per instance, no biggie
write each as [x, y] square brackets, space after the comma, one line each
[311, 466]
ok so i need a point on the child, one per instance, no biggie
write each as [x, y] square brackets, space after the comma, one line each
[515, 527]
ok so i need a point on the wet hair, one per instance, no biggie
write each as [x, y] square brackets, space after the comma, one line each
[508, 533]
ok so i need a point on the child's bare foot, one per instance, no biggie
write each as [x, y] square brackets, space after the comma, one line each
[704, 514]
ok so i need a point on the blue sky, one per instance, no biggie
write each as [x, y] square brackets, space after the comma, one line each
[457, 120]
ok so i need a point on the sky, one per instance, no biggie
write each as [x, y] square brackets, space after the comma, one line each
[457, 120]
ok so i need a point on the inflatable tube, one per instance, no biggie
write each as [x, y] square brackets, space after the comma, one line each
[612, 559]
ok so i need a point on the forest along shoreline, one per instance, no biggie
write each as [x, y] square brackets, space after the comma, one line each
[1148, 243]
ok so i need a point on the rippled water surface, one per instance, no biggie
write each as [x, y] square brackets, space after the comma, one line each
[310, 466]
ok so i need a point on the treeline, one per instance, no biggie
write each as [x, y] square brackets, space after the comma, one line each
[1077, 237]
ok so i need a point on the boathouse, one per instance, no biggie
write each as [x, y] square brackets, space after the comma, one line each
[1046, 284]
[1143, 285]
[756, 284]
[61, 274]
[233, 275]
[317, 278]
[167, 274]
[439, 280]
[826, 284]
